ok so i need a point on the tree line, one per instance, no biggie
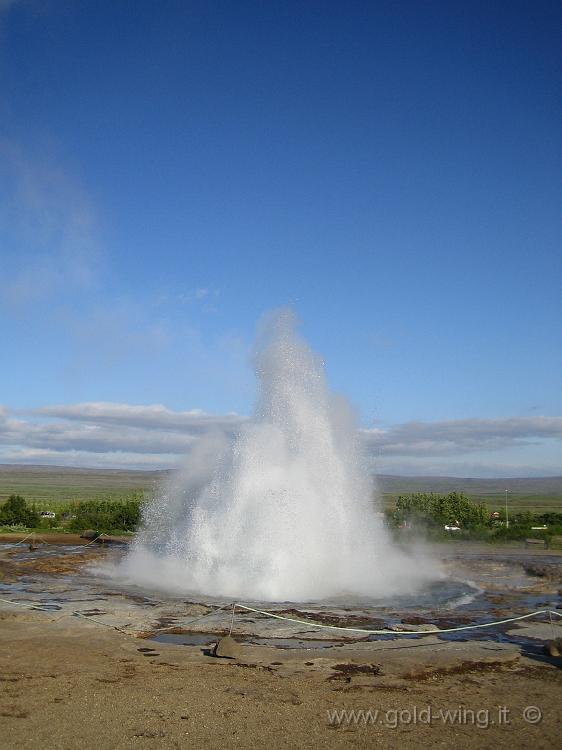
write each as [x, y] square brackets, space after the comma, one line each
[103, 515]
[430, 513]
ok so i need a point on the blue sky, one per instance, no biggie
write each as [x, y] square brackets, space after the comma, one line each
[169, 171]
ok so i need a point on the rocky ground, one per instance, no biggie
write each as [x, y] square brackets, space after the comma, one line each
[68, 682]
[71, 684]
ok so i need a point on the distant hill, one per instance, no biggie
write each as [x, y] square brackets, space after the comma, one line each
[539, 494]
[51, 484]
[62, 484]
[389, 484]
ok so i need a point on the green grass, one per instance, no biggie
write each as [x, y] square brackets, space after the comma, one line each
[535, 494]
[515, 503]
[48, 487]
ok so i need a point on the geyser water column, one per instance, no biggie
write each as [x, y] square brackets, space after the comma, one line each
[284, 509]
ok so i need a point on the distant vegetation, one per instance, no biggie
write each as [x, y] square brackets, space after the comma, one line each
[15, 512]
[438, 510]
[430, 514]
[108, 500]
[50, 487]
[426, 514]
[103, 500]
[47, 486]
[102, 515]
[535, 494]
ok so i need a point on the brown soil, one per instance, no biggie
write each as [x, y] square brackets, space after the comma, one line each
[68, 684]
[56, 565]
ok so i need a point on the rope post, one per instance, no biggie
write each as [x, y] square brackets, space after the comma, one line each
[232, 618]
[551, 625]
[21, 541]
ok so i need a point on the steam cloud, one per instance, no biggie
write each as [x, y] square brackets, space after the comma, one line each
[285, 511]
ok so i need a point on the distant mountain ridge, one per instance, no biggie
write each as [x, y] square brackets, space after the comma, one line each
[400, 485]
[388, 484]
[77, 470]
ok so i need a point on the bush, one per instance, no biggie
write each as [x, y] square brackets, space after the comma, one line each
[430, 510]
[519, 533]
[106, 515]
[16, 512]
[551, 519]
[50, 523]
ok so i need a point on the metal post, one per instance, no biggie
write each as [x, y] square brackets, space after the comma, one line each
[506, 515]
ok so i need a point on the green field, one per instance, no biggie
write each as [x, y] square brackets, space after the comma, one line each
[536, 494]
[496, 501]
[49, 485]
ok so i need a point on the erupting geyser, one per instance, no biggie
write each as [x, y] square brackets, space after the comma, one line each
[284, 510]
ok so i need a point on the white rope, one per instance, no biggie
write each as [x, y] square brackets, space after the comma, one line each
[437, 631]
[92, 540]
[190, 622]
[22, 604]
[37, 607]
[40, 608]
[232, 618]
[42, 539]
[35, 538]
[401, 632]
[93, 619]
[21, 541]
[60, 544]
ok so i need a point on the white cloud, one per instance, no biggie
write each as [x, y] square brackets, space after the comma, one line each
[7, 4]
[128, 435]
[462, 436]
[99, 429]
[74, 458]
[47, 228]
[155, 417]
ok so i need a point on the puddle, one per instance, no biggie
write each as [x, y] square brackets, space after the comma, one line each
[185, 639]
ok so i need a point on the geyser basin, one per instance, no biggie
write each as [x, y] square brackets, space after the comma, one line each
[483, 585]
[281, 511]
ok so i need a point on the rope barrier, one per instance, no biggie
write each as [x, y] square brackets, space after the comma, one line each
[387, 631]
[58, 544]
[232, 618]
[402, 632]
[92, 540]
[40, 608]
[93, 619]
[21, 541]
[21, 604]
[202, 617]
[42, 539]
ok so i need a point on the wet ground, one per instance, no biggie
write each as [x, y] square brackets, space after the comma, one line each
[483, 584]
[97, 663]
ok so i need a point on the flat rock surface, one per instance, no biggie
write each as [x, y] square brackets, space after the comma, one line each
[83, 673]
[70, 683]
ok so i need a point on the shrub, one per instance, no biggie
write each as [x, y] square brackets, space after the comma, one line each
[430, 510]
[106, 515]
[518, 533]
[15, 511]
